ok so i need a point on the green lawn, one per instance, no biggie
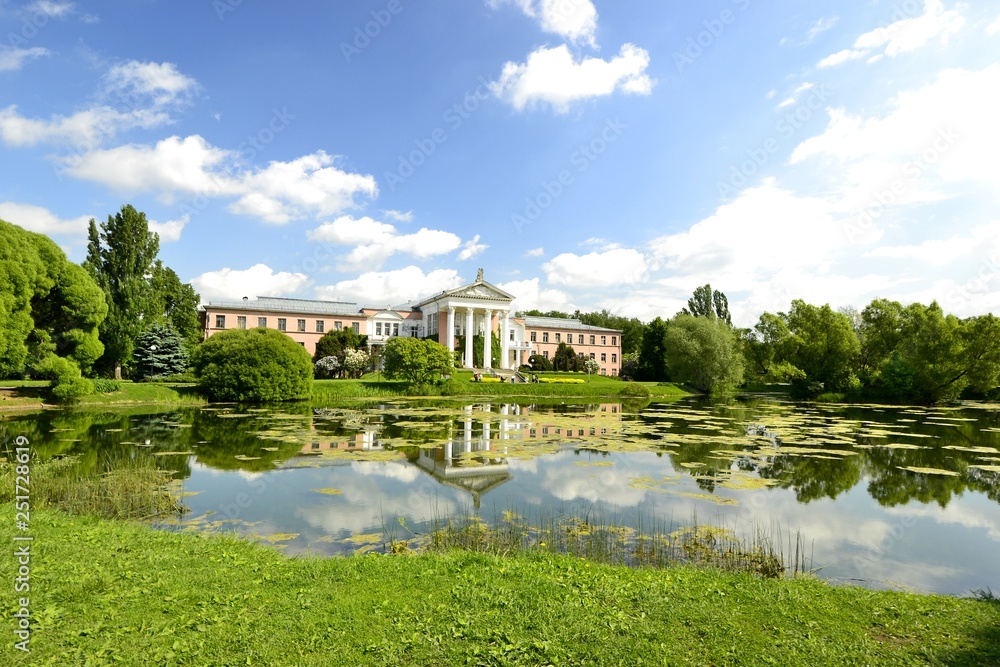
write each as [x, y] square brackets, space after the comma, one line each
[114, 593]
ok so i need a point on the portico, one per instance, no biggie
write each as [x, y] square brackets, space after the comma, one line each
[477, 309]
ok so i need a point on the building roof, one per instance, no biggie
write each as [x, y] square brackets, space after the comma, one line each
[299, 306]
[481, 290]
[562, 323]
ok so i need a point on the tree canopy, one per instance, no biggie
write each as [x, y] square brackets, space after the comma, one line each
[704, 352]
[416, 360]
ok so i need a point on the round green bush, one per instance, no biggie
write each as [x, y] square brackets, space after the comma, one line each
[633, 390]
[253, 365]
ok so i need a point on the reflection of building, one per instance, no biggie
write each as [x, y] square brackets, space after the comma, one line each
[450, 316]
[473, 458]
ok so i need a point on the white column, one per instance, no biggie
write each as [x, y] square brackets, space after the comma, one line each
[427, 324]
[505, 341]
[451, 330]
[488, 340]
[468, 339]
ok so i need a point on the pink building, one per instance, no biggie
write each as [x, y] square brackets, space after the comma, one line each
[473, 308]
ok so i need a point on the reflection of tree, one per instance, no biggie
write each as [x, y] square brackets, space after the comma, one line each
[221, 440]
[813, 478]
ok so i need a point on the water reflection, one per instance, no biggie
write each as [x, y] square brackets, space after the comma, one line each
[884, 494]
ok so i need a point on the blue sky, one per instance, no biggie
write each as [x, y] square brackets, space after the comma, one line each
[587, 154]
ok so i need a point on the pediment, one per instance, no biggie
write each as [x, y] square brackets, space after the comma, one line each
[481, 291]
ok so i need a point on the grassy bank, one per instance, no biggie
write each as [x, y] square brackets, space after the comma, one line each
[107, 592]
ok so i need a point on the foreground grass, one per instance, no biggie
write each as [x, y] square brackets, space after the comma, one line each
[105, 592]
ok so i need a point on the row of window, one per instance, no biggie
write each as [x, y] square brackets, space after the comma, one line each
[569, 338]
[604, 356]
[300, 325]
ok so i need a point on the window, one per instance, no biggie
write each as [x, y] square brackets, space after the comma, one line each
[241, 322]
[282, 324]
[614, 371]
[614, 358]
[302, 325]
[592, 355]
[512, 334]
[378, 328]
[395, 328]
[545, 354]
[320, 325]
[580, 340]
[614, 340]
[604, 340]
[220, 321]
[558, 338]
[356, 326]
[604, 371]
[262, 322]
[604, 356]
[302, 344]
[545, 337]
[534, 337]
[338, 326]
[593, 339]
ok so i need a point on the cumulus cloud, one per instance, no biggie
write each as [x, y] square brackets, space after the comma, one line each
[52, 8]
[391, 287]
[535, 252]
[161, 82]
[529, 295]
[169, 231]
[259, 280]
[311, 185]
[993, 28]
[903, 35]
[621, 266]
[575, 20]
[42, 220]
[943, 131]
[374, 241]
[13, 58]
[941, 252]
[555, 77]
[471, 249]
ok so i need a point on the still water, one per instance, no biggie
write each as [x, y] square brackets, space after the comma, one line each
[881, 496]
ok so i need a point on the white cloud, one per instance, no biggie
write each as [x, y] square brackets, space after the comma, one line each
[621, 266]
[169, 231]
[794, 97]
[553, 76]
[282, 191]
[392, 287]
[52, 8]
[575, 20]
[374, 242]
[941, 252]
[12, 58]
[140, 95]
[820, 27]
[399, 216]
[535, 252]
[42, 220]
[471, 249]
[529, 295]
[945, 130]
[258, 280]
[904, 35]
[160, 81]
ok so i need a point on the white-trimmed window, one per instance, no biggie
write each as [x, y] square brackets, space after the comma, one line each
[241, 322]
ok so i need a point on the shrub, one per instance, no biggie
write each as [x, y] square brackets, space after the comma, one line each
[632, 390]
[561, 381]
[253, 365]
[67, 383]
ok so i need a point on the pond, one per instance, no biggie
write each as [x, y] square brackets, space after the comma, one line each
[880, 496]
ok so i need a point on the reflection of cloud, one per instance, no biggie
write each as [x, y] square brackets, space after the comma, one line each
[567, 482]
[960, 511]
[397, 471]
